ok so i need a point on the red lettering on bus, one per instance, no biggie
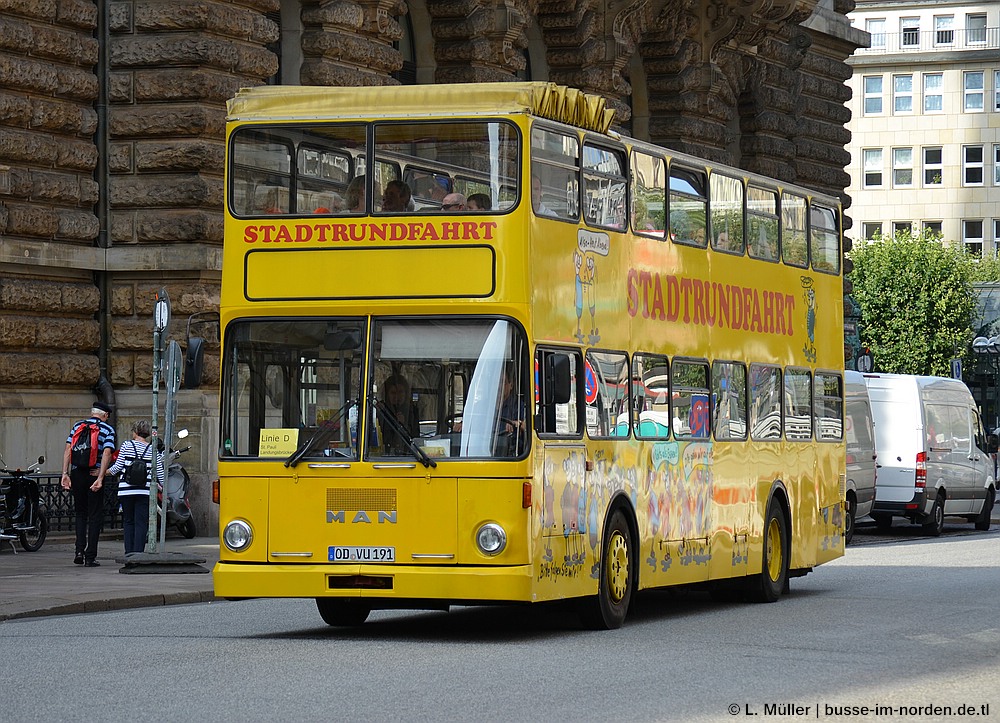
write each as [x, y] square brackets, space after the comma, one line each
[769, 312]
[755, 321]
[470, 229]
[673, 298]
[645, 278]
[303, 233]
[686, 293]
[711, 304]
[779, 309]
[699, 303]
[250, 234]
[657, 311]
[632, 293]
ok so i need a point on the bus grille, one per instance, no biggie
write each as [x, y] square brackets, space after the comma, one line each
[361, 499]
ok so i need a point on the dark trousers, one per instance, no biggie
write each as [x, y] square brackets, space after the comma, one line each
[135, 521]
[89, 508]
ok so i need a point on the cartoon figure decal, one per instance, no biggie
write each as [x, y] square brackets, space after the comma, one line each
[590, 245]
[809, 295]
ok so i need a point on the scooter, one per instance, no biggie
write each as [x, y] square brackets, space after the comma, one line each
[22, 516]
[178, 482]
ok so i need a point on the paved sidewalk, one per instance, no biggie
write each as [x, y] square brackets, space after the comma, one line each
[47, 582]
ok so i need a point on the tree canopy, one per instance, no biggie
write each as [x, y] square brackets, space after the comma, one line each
[916, 301]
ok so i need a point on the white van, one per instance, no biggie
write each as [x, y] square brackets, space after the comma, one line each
[932, 458]
[859, 433]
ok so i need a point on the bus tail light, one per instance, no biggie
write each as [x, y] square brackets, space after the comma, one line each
[921, 475]
[215, 491]
[526, 495]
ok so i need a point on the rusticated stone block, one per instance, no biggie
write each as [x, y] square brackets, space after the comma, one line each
[15, 110]
[122, 227]
[80, 13]
[215, 17]
[38, 9]
[358, 50]
[18, 332]
[30, 294]
[347, 15]
[82, 334]
[186, 84]
[146, 50]
[167, 120]
[180, 225]
[76, 83]
[122, 369]
[120, 87]
[122, 299]
[27, 147]
[53, 186]
[133, 334]
[324, 72]
[62, 117]
[78, 225]
[120, 158]
[78, 155]
[180, 155]
[163, 191]
[44, 370]
[185, 298]
[31, 220]
[72, 48]
[256, 62]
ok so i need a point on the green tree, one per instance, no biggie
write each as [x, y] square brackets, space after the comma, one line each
[916, 300]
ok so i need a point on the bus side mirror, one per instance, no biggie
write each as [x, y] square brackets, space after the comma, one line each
[194, 362]
[558, 389]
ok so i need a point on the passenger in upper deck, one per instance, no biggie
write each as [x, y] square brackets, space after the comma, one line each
[356, 195]
[396, 197]
[453, 202]
[479, 202]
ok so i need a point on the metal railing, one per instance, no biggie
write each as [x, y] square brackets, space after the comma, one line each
[917, 41]
[58, 503]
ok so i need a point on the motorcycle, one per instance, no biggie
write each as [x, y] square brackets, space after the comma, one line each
[178, 482]
[22, 516]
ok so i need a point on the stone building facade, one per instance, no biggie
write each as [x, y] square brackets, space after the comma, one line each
[112, 116]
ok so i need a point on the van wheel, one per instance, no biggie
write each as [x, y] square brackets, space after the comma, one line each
[342, 613]
[768, 586]
[935, 521]
[852, 511]
[983, 521]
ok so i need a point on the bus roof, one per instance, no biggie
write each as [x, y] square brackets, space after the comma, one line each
[546, 100]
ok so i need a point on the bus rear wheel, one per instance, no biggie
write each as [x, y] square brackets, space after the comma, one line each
[342, 613]
[607, 611]
[770, 583]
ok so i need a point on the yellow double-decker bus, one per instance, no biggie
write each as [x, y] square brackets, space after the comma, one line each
[480, 348]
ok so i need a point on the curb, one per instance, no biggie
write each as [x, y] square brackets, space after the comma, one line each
[112, 604]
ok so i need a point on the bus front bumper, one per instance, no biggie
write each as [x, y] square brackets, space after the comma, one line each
[376, 582]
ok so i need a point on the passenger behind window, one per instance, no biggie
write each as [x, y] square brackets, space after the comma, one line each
[356, 195]
[396, 197]
[453, 202]
[536, 198]
[479, 202]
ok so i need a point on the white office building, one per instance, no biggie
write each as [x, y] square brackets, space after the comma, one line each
[925, 126]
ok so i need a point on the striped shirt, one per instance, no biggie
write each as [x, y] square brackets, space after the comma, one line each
[129, 452]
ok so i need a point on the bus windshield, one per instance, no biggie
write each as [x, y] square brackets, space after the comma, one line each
[434, 388]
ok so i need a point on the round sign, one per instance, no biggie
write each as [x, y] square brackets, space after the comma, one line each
[865, 362]
[161, 311]
[590, 383]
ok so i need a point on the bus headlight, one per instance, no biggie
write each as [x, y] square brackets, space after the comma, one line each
[491, 539]
[237, 535]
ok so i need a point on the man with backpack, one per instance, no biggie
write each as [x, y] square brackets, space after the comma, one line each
[85, 463]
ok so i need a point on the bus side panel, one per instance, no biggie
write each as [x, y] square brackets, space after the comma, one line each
[731, 501]
[244, 498]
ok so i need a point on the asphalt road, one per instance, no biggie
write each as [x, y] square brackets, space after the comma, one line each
[909, 622]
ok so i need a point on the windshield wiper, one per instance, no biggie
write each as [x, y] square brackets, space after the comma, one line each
[403, 433]
[320, 432]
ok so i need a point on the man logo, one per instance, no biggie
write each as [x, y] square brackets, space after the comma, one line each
[361, 516]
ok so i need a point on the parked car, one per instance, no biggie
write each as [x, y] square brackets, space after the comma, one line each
[859, 432]
[932, 452]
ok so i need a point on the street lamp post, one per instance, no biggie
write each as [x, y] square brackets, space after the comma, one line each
[989, 351]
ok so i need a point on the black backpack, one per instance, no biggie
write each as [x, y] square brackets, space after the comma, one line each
[137, 474]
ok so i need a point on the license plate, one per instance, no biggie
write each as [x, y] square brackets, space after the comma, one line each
[345, 553]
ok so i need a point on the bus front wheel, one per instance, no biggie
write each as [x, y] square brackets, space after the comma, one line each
[607, 611]
[342, 613]
[768, 586]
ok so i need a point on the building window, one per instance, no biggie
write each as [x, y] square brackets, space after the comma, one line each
[996, 237]
[933, 92]
[902, 227]
[973, 84]
[909, 28]
[932, 228]
[975, 29]
[876, 28]
[902, 167]
[871, 229]
[996, 164]
[873, 95]
[902, 93]
[873, 167]
[943, 32]
[996, 90]
[972, 236]
[933, 166]
[972, 165]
